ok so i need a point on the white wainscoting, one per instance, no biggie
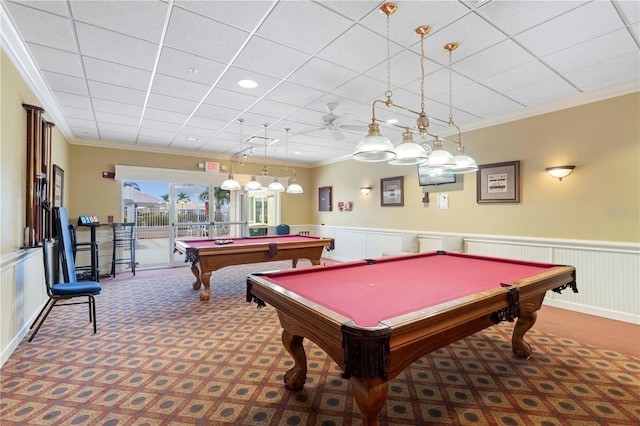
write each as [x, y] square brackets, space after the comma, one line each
[608, 273]
[22, 294]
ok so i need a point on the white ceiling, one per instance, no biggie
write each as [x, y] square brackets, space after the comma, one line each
[117, 73]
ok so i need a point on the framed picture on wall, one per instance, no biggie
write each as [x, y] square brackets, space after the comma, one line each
[498, 183]
[392, 191]
[58, 186]
[324, 199]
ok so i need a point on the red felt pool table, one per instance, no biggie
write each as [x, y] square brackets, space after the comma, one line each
[210, 255]
[376, 317]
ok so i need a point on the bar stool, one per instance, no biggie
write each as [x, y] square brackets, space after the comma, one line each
[123, 240]
[84, 272]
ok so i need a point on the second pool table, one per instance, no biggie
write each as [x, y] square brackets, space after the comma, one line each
[208, 255]
[376, 317]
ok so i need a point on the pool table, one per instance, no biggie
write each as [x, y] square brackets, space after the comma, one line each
[208, 255]
[376, 317]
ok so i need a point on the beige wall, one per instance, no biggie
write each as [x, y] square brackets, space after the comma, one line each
[599, 201]
[93, 194]
[13, 150]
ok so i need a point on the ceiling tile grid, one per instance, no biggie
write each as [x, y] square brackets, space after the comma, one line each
[164, 74]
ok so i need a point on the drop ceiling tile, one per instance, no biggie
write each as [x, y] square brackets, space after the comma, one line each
[519, 77]
[57, 7]
[294, 94]
[83, 114]
[492, 60]
[350, 52]
[586, 22]
[43, 28]
[241, 14]
[117, 107]
[113, 47]
[119, 75]
[273, 108]
[106, 126]
[216, 112]
[305, 26]
[71, 100]
[354, 10]
[143, 20]
[405, 68]
[65, 83]
[202, 36]
[170, 103]
[211, 124]
[270, 58]
[160, 125]
[630, 9]
[483, 102]
[175, 63]
[155, 136]
[464, 32]
[83, 133]
[620, 69]
[49, 59]
[79, 124]
[178, 88]
[116, 93]
[105, 117]
[233, 99]
[608, 46]
[516, 17]
[542, 91]
[198, 132]
[413, 14]
[154, 141]
[321, 75]
[230, 79]
[167, 116]
[110, 136]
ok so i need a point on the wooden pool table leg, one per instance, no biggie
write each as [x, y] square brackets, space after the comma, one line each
[206, 292]
[296, 376]
[196, 273]
[294, 263]
[528, 317]
[370, 397]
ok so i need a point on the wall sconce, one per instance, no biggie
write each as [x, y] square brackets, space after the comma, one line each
[365, 190]
[560, 171]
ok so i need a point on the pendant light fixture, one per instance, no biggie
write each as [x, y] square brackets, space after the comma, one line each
[464, 163]
[231, 184]
[375, 147]
[294, 187]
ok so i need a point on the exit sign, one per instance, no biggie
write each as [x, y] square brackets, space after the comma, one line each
[211, 167]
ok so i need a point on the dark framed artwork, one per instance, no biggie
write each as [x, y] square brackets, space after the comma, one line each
[58, 186]
[392, 191]
[498, 182]
[324, 199]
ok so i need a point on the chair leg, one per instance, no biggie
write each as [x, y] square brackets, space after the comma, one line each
[43, 319]
[133, 257]
[40, 313]
[113, 260]
[92, 306]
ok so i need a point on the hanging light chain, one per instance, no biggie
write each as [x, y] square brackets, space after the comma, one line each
[388, 9]
[450, 47]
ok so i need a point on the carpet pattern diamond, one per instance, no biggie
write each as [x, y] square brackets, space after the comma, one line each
[163, 357]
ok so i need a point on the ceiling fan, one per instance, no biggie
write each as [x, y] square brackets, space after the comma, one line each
[333, 123]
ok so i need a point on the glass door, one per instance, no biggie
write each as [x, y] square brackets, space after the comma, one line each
[191, 215]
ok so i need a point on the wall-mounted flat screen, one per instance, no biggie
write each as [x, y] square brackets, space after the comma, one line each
[426, 179]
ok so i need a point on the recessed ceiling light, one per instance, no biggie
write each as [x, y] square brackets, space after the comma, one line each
[297, 152]
[392, 121]
[248, 84]
[191, 138]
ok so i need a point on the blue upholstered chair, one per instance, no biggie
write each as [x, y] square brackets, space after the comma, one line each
[71, 288]
[283, 229]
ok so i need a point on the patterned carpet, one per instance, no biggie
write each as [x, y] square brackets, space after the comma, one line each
[161, 356]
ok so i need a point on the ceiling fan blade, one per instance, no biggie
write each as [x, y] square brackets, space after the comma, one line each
[354, 127]
[337, 134]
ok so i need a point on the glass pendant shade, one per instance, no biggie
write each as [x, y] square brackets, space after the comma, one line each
[294, 187]
[409, 152]
[275, 186]
[253, 185]
[374, 147]
[439, 157]
[230, 184]
[464, 163]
